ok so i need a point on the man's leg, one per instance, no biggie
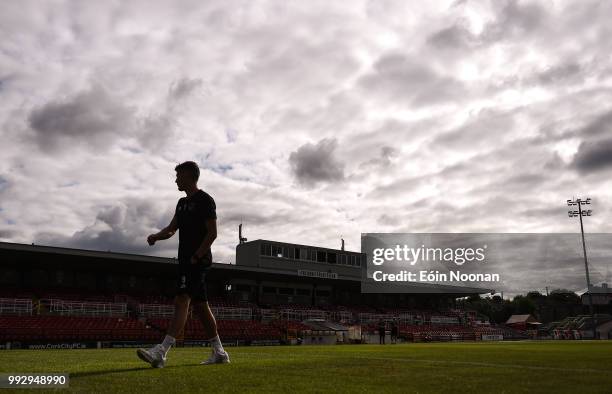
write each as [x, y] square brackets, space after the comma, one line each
[205, 315]
[181, 310]
[156, 356]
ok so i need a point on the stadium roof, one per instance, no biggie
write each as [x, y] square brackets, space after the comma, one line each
[597, 288]
[515, 319]
[301, 245]
[102, 255]
[84, 252]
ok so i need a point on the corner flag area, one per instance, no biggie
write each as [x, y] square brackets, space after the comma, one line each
[501, 367]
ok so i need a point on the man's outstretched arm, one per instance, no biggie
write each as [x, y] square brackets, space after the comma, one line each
[165, 233]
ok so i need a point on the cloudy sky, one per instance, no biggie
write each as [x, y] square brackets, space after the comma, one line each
[310, 120]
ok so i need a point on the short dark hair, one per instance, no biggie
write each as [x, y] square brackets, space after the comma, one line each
[191, 167]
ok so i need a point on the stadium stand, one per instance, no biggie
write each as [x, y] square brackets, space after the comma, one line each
[574, 327]
[270, 294]
[70, 328]
[77, 316]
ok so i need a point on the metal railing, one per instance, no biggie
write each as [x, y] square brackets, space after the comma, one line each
[15, 306]
[84, 308]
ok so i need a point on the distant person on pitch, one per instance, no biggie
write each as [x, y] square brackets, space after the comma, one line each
[394, 331]
[381, 332]
[196, 219]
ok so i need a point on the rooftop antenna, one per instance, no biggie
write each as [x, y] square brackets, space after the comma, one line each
[241, 239]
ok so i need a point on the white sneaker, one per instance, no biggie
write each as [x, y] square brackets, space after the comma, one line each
[154, 356]
[217, 358]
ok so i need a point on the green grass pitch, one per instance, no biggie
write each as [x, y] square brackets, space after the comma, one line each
[485, 367]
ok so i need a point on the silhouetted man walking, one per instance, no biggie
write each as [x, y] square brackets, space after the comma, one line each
[196, 220]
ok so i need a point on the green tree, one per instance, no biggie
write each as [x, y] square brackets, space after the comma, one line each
[523, 305]
[564, 296]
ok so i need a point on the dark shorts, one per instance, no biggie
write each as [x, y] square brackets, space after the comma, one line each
[191, 280]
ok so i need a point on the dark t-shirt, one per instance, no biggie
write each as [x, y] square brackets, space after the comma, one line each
[191, 214]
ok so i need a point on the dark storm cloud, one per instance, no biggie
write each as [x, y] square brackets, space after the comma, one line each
[593, 156]
[113, 216]
[312, 164]
[90, 117]
[402, 79]
[122, 227]
[97, 119]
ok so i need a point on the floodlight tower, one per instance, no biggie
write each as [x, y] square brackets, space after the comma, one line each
[580, 213]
